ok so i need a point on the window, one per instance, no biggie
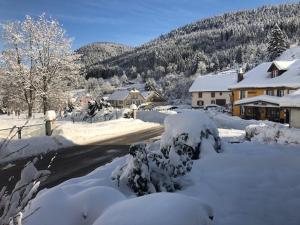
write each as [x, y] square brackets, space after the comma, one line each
[200, 94]
[275, 73]
[213, 102]
[200, 103]
[212, 94]
[270, 92]
[242, 94]
[221, 93]
[280, 93]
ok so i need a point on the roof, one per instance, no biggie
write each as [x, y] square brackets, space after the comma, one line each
[291, 100]
[214, 82]
[259, 77]
[281, 65]
[119, 95]
[147, 94]
[262, 98]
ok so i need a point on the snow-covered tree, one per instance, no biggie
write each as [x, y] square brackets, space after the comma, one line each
[38, 60]
[277, 43]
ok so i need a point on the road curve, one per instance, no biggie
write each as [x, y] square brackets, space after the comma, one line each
[77, 161]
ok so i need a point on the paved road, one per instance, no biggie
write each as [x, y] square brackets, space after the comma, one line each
[79, 160]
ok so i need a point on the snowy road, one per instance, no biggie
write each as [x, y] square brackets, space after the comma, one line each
[79, 160]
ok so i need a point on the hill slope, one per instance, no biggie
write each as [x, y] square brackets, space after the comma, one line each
[99, 51]
[209, 45]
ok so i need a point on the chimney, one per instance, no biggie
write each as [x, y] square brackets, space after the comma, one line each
[240, 75]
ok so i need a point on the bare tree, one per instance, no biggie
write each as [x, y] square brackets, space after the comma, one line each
[38, 60]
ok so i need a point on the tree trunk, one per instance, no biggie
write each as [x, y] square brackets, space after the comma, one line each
[45, 105]
[30, 108]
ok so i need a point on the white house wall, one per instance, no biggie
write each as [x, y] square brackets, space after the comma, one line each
[206, 97]
[295, 118]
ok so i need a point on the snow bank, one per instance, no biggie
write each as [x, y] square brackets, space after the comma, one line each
[273, 134]
[157, 209]
[72, 205]
[223, 120]
[154, 116]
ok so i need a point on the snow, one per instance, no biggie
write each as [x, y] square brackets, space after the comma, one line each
[261, 98]
[118, 95]
[158, 209]
[259, 77]
[273, 134]
[283, 65]
[154, 116]
[185, 123]
[73, 205]
[291, 100]
[214, 82]
[68, 134]
[50, 115]
[290, 54]
[250, 182]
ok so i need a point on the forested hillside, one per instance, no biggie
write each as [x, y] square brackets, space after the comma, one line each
[99, 51]
[227, 41]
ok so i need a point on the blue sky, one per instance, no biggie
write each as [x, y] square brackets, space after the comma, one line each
[130, 22]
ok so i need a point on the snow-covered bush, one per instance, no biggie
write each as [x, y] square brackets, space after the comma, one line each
[272, 134]
[12, 204]
[155, 168]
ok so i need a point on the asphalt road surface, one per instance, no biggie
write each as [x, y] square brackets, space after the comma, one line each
[77, 161]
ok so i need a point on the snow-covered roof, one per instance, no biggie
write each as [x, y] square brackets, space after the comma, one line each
[146, 94]
[282, 65]
[291, 100]
[261, 98]
[119, 95]
[290, 54]
[215, 82]
[259, 77]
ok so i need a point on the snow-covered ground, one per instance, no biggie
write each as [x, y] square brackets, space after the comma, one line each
[67, 134]
[248, 183]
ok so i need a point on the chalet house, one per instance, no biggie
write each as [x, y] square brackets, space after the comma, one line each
[125, 98]
[213, 89]
[258, 93]
[153, 97]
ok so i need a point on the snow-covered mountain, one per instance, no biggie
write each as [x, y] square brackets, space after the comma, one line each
[99, 51]
[208, 45]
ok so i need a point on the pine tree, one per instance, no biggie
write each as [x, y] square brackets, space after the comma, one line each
[277, 43]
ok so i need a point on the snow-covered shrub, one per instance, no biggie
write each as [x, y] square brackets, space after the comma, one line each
[12, 204]
[272, 134]
[136, 173]
[155, 168]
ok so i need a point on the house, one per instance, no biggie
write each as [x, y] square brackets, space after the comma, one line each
[153, 97]
[258, 92]
[125, 98]
[213, 89]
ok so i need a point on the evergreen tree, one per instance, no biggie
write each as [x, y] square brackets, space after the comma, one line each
[278, 42]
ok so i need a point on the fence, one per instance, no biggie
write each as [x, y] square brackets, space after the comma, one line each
[23, 131]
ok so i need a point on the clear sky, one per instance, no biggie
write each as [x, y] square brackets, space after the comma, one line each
[130, 22]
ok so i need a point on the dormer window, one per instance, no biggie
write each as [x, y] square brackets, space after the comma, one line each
[279, 67]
